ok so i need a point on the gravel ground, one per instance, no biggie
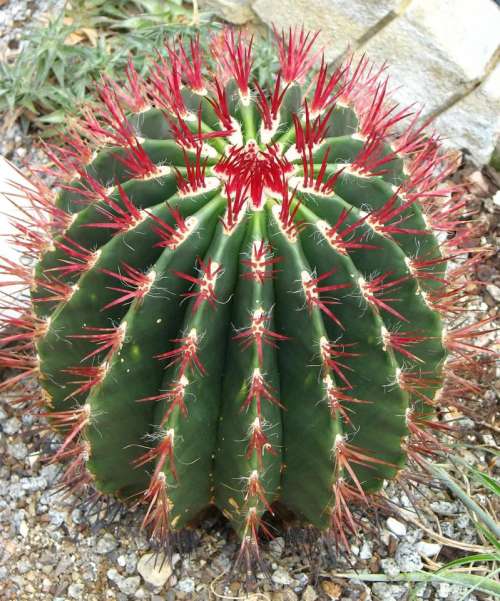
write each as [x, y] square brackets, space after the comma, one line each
[15, 16]
[51, 550]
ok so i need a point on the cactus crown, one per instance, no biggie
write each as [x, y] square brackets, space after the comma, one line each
[238, 293]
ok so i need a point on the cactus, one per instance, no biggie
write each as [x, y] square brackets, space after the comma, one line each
[239, 294]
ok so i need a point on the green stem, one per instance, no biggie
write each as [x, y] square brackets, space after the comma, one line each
[453, 486]
[484, 584]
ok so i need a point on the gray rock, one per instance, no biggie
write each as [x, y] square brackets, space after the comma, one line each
[408, 558]
[234, 11]
[18, 450]
[309, 594]
[281, 576]
[56, 517]
[12, 426]
[444, 508]
[447, 59]
[421, 590]
[428, 549]
[64, 565]
[448, 529]
[113, 575]
[155, 569]
[23, 566]
[19, 580]
[75, 590]
[396, 527]
[186, 585]
[473, 122]
[390, 592]
[50, 472]
[496, 199]
[390, 567]
[276, 547]
[442, 589]
[106, 544]
[121, 560]
[34, 484]
[463, 522]
[341, 24]
[129, 585]
[495, 293]
[129, 562]
[23, 529]
[365, 552]
[77, 516]
[302, 580]
[460, 592]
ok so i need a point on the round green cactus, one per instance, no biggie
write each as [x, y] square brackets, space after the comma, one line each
[238, 293]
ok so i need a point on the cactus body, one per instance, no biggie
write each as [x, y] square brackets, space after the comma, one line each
[238, 296]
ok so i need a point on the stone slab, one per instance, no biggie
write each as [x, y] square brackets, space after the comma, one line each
[474, 122]
[237, 12]
[437, 49]
[341, 23]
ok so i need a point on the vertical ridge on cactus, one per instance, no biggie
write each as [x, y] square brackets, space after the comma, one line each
[238, 294]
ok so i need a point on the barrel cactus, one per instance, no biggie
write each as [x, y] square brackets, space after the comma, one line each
[238, 292]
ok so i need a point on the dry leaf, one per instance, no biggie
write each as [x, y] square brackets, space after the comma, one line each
[85, 34]
[91, 35]
[332, 589]
[73, 39]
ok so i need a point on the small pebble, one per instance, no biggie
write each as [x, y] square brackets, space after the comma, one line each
[390, 567]
[18, 450]
[23, 529]
[113, 575]
[397, 528]
[442, 589]
[389, 592]
[281, 576]
[445, 508]
[496, 199]
[75, 590]
[408, 558]
[309, 594]
[155, 569]
[428, 549]
[129, 585]
[186, 585]
[106, 544]
[365, 552]
[11, 426]
[276, 547]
